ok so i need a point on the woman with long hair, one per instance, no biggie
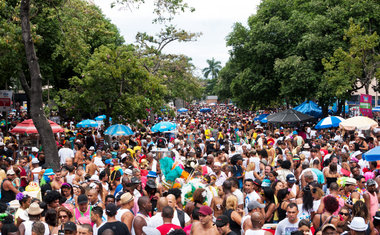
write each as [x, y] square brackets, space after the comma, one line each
[64, 215]
[51, 220]
[270, 206]
[233, 214]
[360, 209]
[305, 204]
[345, 219]
[283, 197]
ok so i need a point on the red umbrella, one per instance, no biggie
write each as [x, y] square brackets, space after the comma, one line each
[28, 127]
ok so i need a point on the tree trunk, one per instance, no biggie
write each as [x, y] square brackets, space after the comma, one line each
[339, 107]
[35, 91]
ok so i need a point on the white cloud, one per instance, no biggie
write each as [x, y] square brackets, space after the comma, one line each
[213, 18]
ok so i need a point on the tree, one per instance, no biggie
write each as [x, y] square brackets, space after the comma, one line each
[35, 90]
[278, 57]
[213, 69]
[114, 83]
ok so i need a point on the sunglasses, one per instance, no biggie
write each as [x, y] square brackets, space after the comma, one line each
[346, 214]
[62, 216]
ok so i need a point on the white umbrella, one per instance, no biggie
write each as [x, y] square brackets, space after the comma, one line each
[358, 122]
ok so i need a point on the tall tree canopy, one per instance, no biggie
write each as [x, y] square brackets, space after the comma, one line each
[278, 57]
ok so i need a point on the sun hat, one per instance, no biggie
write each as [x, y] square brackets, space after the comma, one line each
[358, 224]
[34, 150]
[11, 172]
[350, 181]
[126, 197]
[34, 209]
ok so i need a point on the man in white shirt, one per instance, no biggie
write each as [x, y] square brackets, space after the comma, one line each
[251, 195]
[289, 224]
[236, 191]
[220, 175]
[65, 152]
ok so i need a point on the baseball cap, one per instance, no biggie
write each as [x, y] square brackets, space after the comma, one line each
[152, 174]
[34, 150]
[35, 161]
[111, 209]
[254, 204]
[82, 199]
[70, 226]
[135, 180]
[205, 210]
[290, 178]
[221, 221]
[350, 181]
[92, 148]
[370, 182]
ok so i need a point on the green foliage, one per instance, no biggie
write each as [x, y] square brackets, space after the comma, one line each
[213, 68]
[113, 82]
[352, 69]
[279, 55]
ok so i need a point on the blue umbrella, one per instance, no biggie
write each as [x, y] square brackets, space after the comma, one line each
[372, 155]
[205, 110]
[260, 117]
[164, 126]
[102, 117]
[264, 120]
[118, 130]
[182, 110]
[329, 122]
[87, 123]
[376, 109]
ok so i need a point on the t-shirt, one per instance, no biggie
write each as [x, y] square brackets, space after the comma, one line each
[117, 227]
[253, 196]
[285, 227]
[239, 195]
[166, 228]
[64, 153]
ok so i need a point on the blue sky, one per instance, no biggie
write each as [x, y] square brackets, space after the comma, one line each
[213, 18]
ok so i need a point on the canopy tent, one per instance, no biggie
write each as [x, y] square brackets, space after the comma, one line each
[164, 126]
[118, 130]
[289, 116]
[28, 127]
[260, 117]
[358, 122]
[310, 108]
[329, 122]
[376, 109]
[182, 110]
[102, 117]
[372, 155]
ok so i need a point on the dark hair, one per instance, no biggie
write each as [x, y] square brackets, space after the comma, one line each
[248, 180]
[110, 196]
[227, 185]
[45, 188]
[198, 196]
[269, 195]
[8, 225]
[307, 199]
[176, 192]
[167, 212]
[331, 204]
[333, 167]
[334, 186]
[195, 213]
[3, 207]
[24, 199]
[97, 210]
[51, 196]
[51, 217]
[286, 164]
[304, 222]
[102, 175]
[292, 205]
[360, 209]
[281, 194]
[177, 232]
[234, 182]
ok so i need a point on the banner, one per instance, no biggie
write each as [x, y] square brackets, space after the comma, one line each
[5, 100]
[366, 105]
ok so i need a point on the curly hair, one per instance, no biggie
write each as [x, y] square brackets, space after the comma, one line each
[51, 196]
[67, 211]
[331, 204]
[51, 217]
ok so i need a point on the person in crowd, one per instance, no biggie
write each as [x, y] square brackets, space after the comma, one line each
[290, 223]
[117, 227]
[205, 224]
[257, 222]
[233, 215]
[167, 217]
[34, 215]
[370, 197]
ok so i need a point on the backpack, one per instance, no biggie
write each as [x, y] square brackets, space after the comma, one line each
[181, 217]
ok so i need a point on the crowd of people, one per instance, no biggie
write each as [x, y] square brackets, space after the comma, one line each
[219, 172]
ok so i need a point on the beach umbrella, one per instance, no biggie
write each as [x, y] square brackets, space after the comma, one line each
[87, 123]
[289, 116]
[118, 130]
[164, 126]
[328, 122]
[28, 127]
[205, 110]
[182, 110]
[260, 117]
[372, 155]
[358, 122]
[102, 117]
[376, 109]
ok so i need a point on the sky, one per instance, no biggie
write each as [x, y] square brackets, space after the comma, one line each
[213, 18]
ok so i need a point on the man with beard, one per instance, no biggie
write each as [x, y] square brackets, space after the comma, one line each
[370, 197]
[205, 224]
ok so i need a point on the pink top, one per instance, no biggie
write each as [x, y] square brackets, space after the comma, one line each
[187, 229]
[373, 203]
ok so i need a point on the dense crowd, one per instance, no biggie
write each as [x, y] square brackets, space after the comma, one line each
[219, 172]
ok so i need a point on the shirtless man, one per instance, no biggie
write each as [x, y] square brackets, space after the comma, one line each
[91, 168]
[79, 176]
[142, 218]
[57, 182]
[79, 155]
[205, 224]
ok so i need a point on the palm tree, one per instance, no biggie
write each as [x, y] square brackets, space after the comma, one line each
[213, 68]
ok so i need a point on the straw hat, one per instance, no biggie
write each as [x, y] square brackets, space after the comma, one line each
[34, 209]
[125, 198]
